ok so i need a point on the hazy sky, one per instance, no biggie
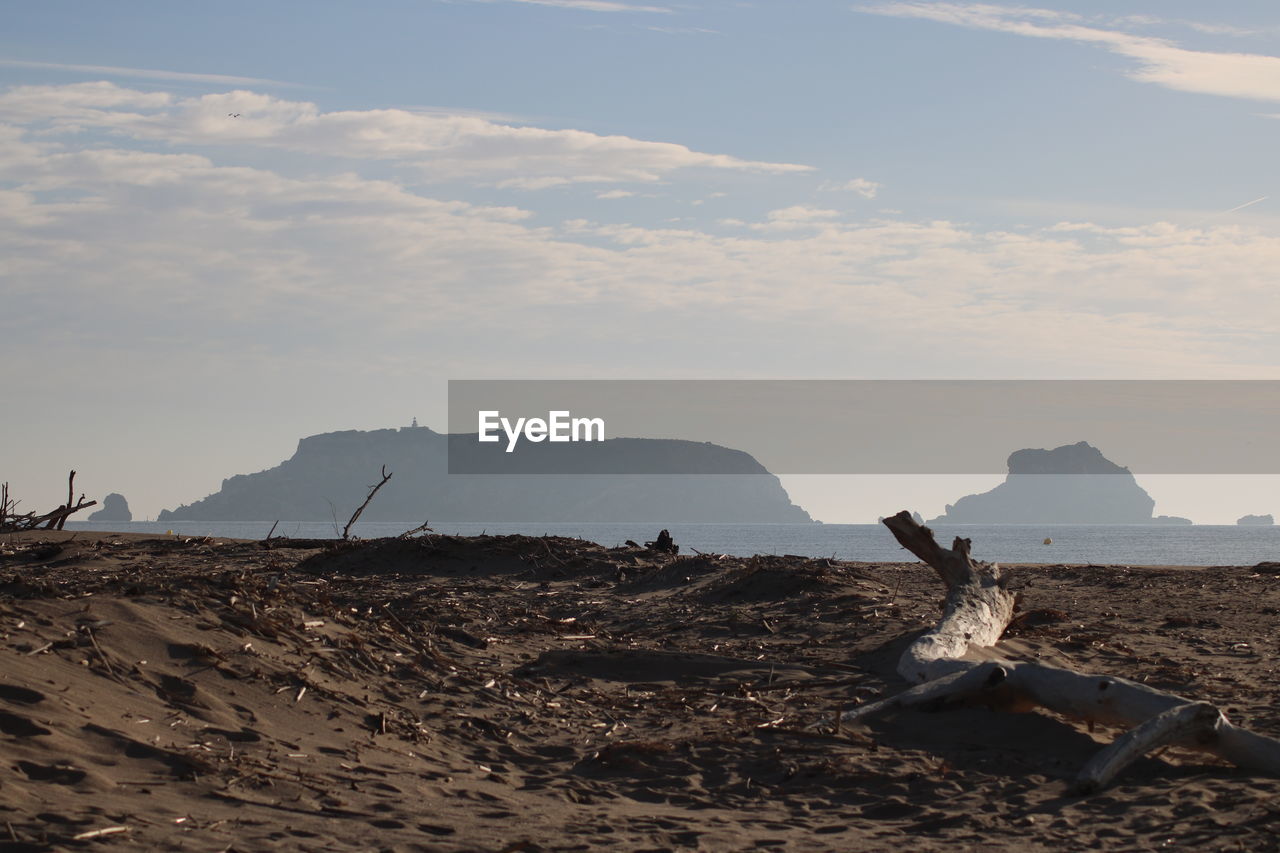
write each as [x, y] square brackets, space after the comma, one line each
[226, 226]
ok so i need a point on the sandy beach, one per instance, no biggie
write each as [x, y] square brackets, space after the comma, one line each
[529, 694]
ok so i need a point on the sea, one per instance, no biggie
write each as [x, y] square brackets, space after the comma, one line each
[1121, 544]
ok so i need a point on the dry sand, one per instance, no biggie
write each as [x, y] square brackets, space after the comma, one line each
[521, 694]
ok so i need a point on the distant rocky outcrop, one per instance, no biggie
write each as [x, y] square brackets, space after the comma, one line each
[1073, 484]
[1258, 520]
[329, 474]
[114, 508]
[915, 516]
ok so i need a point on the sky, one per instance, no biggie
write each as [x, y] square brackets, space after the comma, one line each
[224, 227]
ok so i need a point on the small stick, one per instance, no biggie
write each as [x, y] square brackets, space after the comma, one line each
[99, 833]
[894, 597]
[394, 618]
[98, 649]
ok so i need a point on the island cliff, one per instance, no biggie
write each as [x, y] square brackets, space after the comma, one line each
[329, 475]
[114, 508]
[1072, 484]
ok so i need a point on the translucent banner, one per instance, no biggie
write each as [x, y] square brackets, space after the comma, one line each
[861, 426]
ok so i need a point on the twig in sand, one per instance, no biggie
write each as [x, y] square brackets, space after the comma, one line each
[896, 587]
[99, 833]
[97, 648]
[373, 490]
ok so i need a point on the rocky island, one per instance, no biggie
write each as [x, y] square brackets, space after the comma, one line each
[1256, 520]
[329, 475]
[114, 508]
[1072, 484]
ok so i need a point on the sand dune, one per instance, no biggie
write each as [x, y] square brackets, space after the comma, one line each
[512, 693]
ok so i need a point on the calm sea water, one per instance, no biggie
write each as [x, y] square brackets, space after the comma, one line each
[1135, 545]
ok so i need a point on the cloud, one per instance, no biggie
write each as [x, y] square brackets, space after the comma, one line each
[171, 252]
[863, 187]
[165, 256]
[438, 147]
[612, 194]
[1221, 29]
[1159, 61]
[795, 218]
[146, 73]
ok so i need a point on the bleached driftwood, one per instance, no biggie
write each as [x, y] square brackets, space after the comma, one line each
[956, 661]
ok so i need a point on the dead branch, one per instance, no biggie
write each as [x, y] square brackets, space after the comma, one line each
[373, 490]
[421, 528]
[71, 494]
[10, 520]
[956, 662]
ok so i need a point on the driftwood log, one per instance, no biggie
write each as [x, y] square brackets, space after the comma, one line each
[958, 661]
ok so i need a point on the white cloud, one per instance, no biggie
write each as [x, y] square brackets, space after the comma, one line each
[146, 73]
[863, 187]
[1214, 29]
[440, 147]
[1220, 29]
[612, 194]
[165, 250]
[171, 252]
[795, 218]
[1159, 61]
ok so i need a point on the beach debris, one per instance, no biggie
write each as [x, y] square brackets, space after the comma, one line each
[12, 520]
[663, 543]
[314, 694]
[414, 531]
[100, 833]
[978, 608]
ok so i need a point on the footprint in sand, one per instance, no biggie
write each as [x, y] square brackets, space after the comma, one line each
[174, 689]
